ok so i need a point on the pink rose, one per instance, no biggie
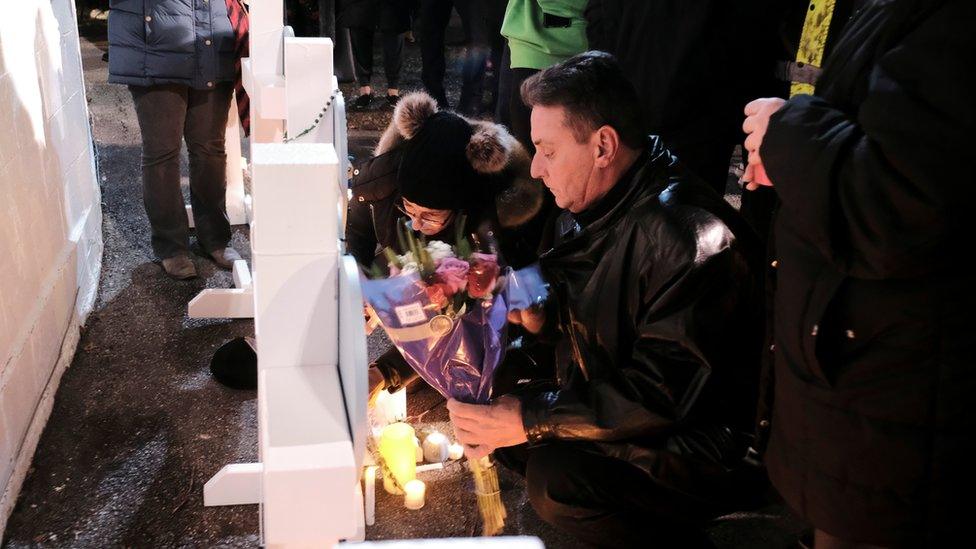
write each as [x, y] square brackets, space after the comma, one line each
[481, 276]
[488, 258]
[453, 272]
[437, 293]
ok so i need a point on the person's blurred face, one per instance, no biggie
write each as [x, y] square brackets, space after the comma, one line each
[561, 162]
[426, 220]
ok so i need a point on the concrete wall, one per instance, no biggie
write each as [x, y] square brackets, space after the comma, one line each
[50, 222]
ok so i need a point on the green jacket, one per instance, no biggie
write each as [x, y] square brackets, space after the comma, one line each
[535, 46]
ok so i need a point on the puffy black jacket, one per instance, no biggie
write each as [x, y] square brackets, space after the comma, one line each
[170, 42]
[658, 306]
[873, 423]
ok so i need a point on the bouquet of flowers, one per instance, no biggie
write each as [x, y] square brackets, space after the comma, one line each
[444, 308]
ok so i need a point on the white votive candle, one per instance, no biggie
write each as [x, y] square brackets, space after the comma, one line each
[435, 448]
[415, 492]
[455, 451]
[370, 494]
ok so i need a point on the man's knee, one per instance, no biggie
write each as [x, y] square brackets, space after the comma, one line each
[200, 149]
[552, 482]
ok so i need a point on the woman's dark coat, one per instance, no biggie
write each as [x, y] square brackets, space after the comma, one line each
[873, 423]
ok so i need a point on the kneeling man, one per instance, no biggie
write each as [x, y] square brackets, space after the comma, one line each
[655, 316]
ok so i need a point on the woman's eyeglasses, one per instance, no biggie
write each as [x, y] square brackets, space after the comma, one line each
[425, 220]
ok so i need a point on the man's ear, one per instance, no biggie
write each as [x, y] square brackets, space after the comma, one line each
[607, 145]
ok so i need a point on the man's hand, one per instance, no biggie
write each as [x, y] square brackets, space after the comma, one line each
[532, 319]
[482, 428]
[757, 121]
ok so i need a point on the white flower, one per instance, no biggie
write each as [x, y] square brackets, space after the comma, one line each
[409, 268]
[406, 258]
[439, 251]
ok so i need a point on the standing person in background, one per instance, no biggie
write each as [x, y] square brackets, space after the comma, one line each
[872, 428]
[363, 18]
[178, 61]
[434, 16]
[539, 34]
[494, 15]
[687, 64]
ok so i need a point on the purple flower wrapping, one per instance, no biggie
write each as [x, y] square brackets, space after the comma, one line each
[458, 356]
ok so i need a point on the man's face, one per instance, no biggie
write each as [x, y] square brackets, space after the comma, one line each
[562, 163]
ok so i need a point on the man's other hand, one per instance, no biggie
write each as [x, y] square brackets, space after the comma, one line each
[532, 319]
[482, 428]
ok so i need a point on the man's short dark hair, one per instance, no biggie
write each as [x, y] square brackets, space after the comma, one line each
[594, 91]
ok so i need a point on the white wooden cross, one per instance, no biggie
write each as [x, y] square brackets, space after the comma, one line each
[305, 298]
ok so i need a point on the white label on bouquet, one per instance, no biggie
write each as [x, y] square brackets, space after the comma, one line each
[412, 313]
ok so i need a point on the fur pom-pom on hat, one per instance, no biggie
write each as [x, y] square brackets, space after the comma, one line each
[412, 110]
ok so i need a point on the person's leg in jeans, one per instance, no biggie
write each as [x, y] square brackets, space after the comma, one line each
[495, 14]
[472, 14]
[161, 111]
[392, 62]
[518, 113]
[205, 128]
[434, 16]
[502, 109]
[362, 55]
[605, 501]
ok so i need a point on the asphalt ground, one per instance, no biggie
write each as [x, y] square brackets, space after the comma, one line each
[139, 424]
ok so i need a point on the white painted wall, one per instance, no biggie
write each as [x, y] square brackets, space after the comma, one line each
[50, 222]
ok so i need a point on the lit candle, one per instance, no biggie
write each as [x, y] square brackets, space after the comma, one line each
[455, 451]
[397, 450]
[414, 498]
[435, 448]
[391, 407]
[418, 449]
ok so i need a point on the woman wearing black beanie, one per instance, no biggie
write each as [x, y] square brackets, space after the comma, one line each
[435, 168]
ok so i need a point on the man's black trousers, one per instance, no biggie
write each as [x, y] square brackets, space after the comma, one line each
[605, 501]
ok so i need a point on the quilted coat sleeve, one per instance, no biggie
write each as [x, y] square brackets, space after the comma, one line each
[884, 189]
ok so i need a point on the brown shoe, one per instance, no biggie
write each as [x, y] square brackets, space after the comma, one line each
[225, 257]
[180, 267]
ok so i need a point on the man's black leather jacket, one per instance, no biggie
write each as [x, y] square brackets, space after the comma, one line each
[656, 314]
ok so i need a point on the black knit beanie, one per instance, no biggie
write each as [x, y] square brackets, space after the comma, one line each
[434, 171]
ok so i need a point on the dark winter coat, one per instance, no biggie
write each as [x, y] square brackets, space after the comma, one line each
[873, 425]
[187, 42]
[655, 293]
[381, 15]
